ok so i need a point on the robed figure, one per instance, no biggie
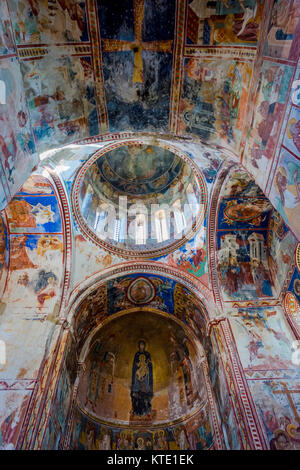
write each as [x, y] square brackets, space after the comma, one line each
[142, 381]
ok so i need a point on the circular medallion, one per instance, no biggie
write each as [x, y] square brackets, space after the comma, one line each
[139, 200]
[141, 291]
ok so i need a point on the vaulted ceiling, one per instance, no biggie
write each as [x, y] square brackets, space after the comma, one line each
[217, 71]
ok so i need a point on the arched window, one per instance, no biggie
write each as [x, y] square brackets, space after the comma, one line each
[161, 227]
[192, 199]
[100, 220]
[179, 218]
[140, 230]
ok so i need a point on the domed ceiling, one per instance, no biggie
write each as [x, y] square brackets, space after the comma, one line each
[136, 198]
[140, 169]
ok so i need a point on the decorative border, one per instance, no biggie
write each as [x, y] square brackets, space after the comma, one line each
[126, 253]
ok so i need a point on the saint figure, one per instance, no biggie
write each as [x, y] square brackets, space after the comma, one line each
[142, 381]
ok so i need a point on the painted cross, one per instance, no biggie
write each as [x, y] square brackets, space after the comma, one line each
[288, 393]
[137, 46]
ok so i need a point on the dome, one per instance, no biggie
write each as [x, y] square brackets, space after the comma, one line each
[137, 199]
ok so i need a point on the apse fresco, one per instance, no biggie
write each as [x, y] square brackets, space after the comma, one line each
[137, 46]
[147, 378]
[136, 290]
[286, 189]
[194, 434]
[220, 23]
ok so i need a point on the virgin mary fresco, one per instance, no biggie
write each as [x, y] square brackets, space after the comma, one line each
[142, 381]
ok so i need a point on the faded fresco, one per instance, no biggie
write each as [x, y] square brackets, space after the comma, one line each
[44, 22]
[214, 98]
[195, 434]
[36, 247]
[17, 145]
[282, 246]
[269, 104]
[263, 338]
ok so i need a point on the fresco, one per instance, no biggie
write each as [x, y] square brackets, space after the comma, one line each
[13, 406]
[194, 434]
[192, 257]
[278, 403]
[132, 291]
[41, 22]
[269, 105]
[6, 37]
[214, 98]
[17, 145]
[230, 429]
[283, 34]
[263, 338]
[61, 96]
[139, 170]
[286, 189]
[219, 23]
[282, 245]
[151, 377]
[137, 62]
[4, 256]
[292, 140]
[294, 285]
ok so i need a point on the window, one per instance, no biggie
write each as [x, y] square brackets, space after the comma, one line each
[161, 227]
[140, 231]
[179, 218]
[100, 221]
[192, 200]
[117, 227]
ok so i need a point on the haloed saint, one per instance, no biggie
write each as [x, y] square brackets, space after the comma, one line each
[142, 381]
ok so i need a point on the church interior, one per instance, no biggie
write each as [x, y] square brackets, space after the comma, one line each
[149, 225]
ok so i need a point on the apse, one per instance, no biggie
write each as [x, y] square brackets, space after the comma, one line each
[150, 376]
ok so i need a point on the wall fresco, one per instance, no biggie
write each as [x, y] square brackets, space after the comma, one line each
[220, 23]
